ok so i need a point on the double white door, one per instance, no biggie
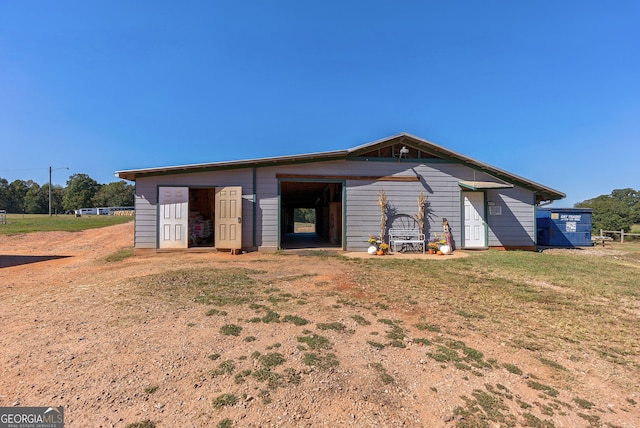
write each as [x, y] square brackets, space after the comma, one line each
[173, 217]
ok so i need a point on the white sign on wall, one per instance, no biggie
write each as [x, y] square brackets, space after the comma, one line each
[495, 210]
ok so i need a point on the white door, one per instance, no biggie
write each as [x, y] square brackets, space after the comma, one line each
[173, 215]
[228, 215]
[474, 224]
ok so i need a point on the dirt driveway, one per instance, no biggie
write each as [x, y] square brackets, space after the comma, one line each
[99, 339]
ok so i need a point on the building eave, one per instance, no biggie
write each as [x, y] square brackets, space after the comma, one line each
[133, 174]
[543, 193]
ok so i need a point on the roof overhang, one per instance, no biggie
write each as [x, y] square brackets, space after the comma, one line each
[132, 174]
[543, 193]
[481, 185]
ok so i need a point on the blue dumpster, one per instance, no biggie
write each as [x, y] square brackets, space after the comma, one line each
[564, 227]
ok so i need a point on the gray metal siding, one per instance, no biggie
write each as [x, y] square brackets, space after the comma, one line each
[438, 180]
[267, 200]
[146, 227]
[145, 234]
[515, 226]
[362, 211]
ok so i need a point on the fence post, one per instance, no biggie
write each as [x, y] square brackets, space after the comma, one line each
[622, 236]
[601, 232]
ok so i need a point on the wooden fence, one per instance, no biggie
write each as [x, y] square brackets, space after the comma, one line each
[622, 233]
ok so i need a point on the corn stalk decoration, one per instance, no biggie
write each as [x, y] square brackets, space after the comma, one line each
[422, 199]
[382, 203]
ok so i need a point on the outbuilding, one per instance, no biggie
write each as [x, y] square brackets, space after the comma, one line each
[250, 204]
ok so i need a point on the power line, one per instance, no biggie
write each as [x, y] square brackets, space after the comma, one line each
[25, 169]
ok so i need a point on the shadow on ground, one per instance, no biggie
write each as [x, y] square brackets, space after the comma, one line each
[9, 261]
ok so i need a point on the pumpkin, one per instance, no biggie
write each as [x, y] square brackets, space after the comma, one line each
[440, 253]
[380, 253]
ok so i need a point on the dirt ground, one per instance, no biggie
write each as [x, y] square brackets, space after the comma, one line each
[76, 333]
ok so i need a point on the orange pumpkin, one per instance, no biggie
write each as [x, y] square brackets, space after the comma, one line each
[380, 253]
[440, 253]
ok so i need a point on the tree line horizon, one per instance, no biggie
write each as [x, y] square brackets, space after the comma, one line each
[619, 210]
[81, 191]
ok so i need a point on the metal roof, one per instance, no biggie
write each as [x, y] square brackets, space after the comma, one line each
[542, 192]
[132, 174]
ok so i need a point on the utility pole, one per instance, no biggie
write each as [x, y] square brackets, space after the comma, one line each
[50, 192]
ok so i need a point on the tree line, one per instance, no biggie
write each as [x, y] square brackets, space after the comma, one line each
[81, 191]
[619, 210]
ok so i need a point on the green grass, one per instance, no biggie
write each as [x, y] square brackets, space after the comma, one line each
[225, 423]
[272, 359]
[151, 389]
[360, 320]
[315, 341]
[231, 330]
[274, 380]
[428, 327]
[584, 404]
[26, 223]
[142, 424]
[215, 311]
[270, 317]
[550, 391]
[296, 320]
[224, 368]
[512, 369]
[323, 362]
[571, 297]
[383, 375]
[552, 363]
[534, 421]
[336, 326]
[376, 345]
[224, 400]
[240, 377]
[119, 255]
[220, 287]
[444, 354]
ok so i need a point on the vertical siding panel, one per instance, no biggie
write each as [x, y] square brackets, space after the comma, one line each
[145, 234]
[515, 226]
[267, 200]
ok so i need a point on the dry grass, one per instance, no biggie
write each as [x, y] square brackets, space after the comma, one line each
[558, 307]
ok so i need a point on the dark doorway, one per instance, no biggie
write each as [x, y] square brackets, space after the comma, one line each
[325, 200]
[201, 215]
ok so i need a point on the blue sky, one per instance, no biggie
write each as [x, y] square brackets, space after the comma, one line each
[549, 90]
